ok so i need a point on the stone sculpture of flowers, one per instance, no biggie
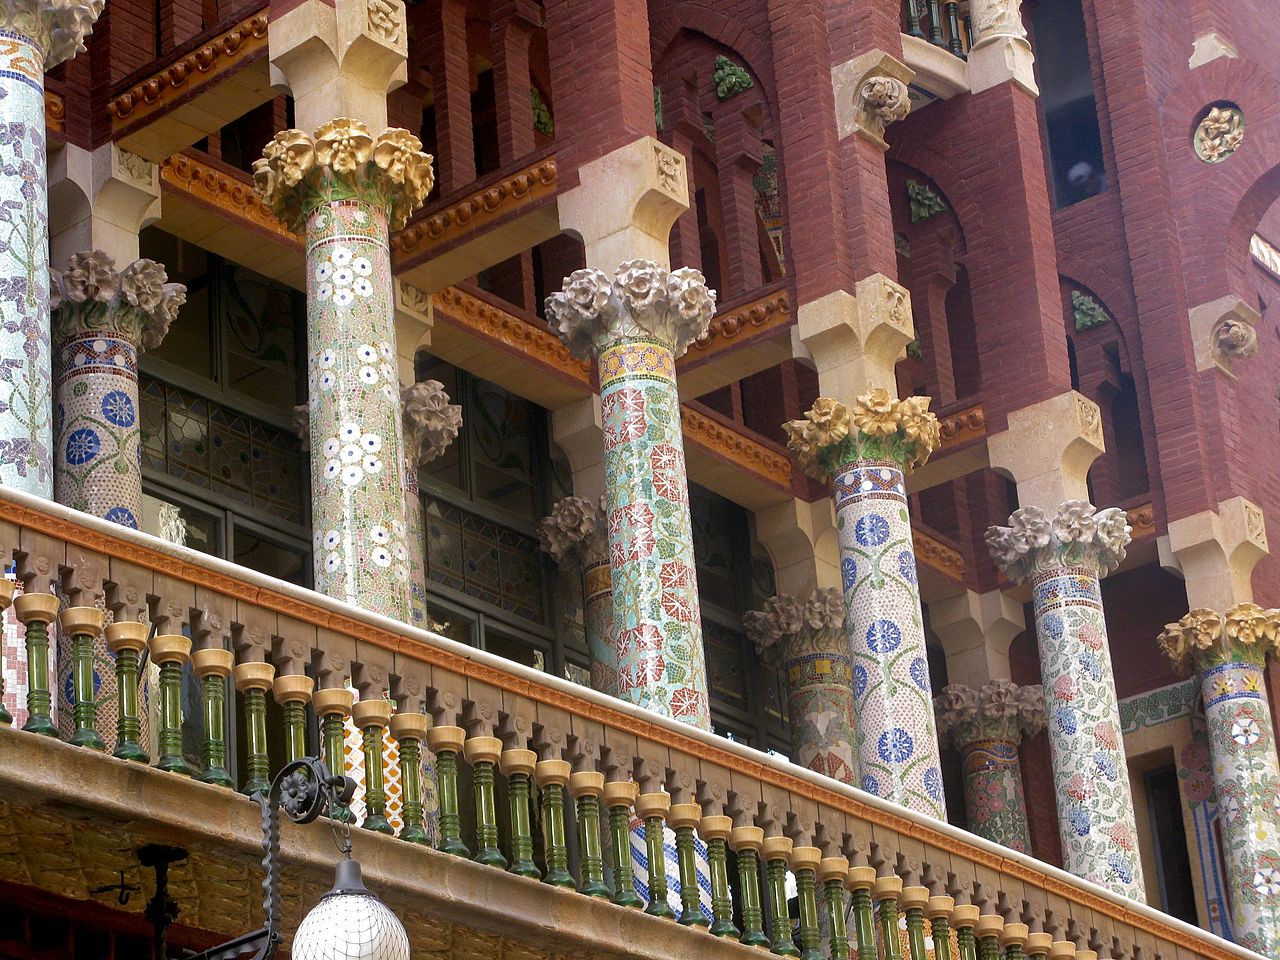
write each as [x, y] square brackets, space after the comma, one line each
[1031, 715]
[1202, 637]
[1000, 708]
[575, 526]
[431, 422]
[137, 303]
[957, 704]
[342, 160]
[772, 628]
[1075, 534]
[642, 299]
[877, 427]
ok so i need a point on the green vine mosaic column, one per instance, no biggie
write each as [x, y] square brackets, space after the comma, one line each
[170, 652]
[684, 819]
[1229, 655]
[866, 452]
[213, 667]
[715, 831]
[576, 532]
[553, 779]
[37, 611]
[636, 325]
[833, 874]
[253, 680]
[346, 189]
[804, 866]
[587, 787]
[518, 766]
[747, 842]
[82, 625]
[987, 725]
[446, 743]
[619, 799]
[1063, 557]
[371, 717]
[409, 730]
[482, 753]
[332, 706]
[126, 639]
[652, 808]
[777, 855]
[293, 692]
[807, 640]
[861, 880]
[102, 319]
[36, 36]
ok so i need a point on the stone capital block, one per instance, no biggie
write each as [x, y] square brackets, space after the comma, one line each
[340, 59]
[1048, 448]
[1222, 332]
[1216, 551]
[801, 541]
[976, 630]
[1001, 52]
[415, 319]
[870, 93]
[856, 340]
[100, 200]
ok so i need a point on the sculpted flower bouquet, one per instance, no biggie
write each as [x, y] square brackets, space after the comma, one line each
[878, 427]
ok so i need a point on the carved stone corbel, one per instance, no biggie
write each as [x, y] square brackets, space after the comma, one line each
[871, 93]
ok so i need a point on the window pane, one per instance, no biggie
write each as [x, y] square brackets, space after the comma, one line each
[179, 523]
[446, 468]
[189, 343]
[270, 558]
[718, 531]
[502, 448]
[259, 322]
[516, 649]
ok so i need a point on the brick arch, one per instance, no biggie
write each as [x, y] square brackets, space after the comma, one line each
[1117, 333]
[695, 19]
[944, 172]
[898, 173]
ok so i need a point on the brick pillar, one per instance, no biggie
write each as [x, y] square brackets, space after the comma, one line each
[510, 29]
[932, 271]
[449, 60]
[681, 129]
[738, 154]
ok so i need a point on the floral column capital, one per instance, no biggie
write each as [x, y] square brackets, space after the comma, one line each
[643, 299]
[576, 528]
[1204, 638]
[431, 422]
[999, 709]
[58, 27]
[1076, 534]
[789, 627]
[879, 427]
[136, 303]
[342, 160]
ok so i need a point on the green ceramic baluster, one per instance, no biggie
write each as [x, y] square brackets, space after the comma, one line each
[652, 809]
[777, 854]
[293, 693]
[913, 903]
[1038, 946]
[82, 625]
[620, 797]
[746, 843]
[371, 717]
[939, 914]
[333, 706]
[482, 754]
[1013, 941]
[446, 743]
[37, 611]
[987, 931]
[253, 680]
[963, 918]
[886, 892]
[126, 639]
[861, 880]
[553, 778]
[518, 766]
[586, 787]
[684, 817]
[832, 874]
[715, 831]
[7, 588]
[171, 653]
[213, 667]
[408, 730]
[804, 865]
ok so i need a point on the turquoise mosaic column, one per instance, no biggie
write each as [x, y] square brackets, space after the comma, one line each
[637, 325]
[35, 36]
[866, 452]
[102, 318]
[345, 189]
[1230, 656]
[430, 424]
[987, 725]
[1063, 556]
[576, 531]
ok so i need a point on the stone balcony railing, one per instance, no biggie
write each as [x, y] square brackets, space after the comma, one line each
[499, 731]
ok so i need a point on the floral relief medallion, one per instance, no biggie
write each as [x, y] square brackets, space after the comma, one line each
[896, 731]
[26, 390]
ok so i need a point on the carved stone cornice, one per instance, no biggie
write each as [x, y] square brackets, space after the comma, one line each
[789, 627]
[1000, 709]
[136, 303]
[1142, 520]
[342, 160]
[473, 211]
[963, 426]
[225, 190]
[1203, 638]
[769, 312]
[576, 527]
[936, 554]
[1078, 534]
[224, 53]
[879, 427]
[57, 27]
[643, 299]
[735, 447]
[431, 422]
[55, 111]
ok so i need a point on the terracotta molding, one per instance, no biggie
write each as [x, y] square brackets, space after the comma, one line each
[499, 199]
[1143, 520]
[55, 111]
[440, 658]
[226, 190]
[963, 426]
[938, 555]
[725, 441]
[190, 73]
[744, 322]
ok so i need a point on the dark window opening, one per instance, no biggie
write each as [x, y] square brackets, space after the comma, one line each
[1173, 866]
[1131, 455]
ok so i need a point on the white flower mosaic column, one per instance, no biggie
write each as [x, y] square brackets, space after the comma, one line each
[346, 189]
[866, 453]
[577, 531]
[1063, 556]
[1229, 654]
[35, 36]
[102, 319]
[636, 325]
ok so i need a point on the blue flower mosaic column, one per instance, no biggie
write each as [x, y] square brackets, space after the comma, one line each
[345, 189]
[35, 36]
[1229, 654]
[636, 326]
[1063, 557]
[866, 453]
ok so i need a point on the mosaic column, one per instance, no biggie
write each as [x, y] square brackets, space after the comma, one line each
[577, 531]
[1229, 654]
[808, 640]
[345, 189]
[636, 325]
[102, 318]
[987, 725]
[35, 36]
[430, 424]
[1063, 557]
[866, 453]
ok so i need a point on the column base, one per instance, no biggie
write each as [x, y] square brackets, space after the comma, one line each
[560, 878]
[628, 898]
[755, 940]
[491, 857]
[378, 824]
[217, 776]
[87, 738]
[659, 908]
[455, 848]
[173, 765]
[42, 726]
[724, 928]
[415, 835]
[693, 918]
[525, 868]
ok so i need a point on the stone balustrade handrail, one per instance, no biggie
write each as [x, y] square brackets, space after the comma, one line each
[494, 698]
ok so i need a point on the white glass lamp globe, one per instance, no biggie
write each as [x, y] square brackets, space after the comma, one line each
[350, 923]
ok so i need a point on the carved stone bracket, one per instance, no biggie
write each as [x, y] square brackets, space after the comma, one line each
[137, 303]
[576, 527]
[57, 27]
[431, 422]
[1223, 331]
[1077, 533]
[870, 93]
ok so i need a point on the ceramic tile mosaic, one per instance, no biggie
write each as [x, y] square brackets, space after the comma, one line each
[1196, 779]
[26, 389]
[820, 704]
[896, 732]
[640, 868]
[416, 543]
[993, 795]
[597, 615]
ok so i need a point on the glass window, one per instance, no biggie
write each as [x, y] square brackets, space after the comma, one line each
[258, 319]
